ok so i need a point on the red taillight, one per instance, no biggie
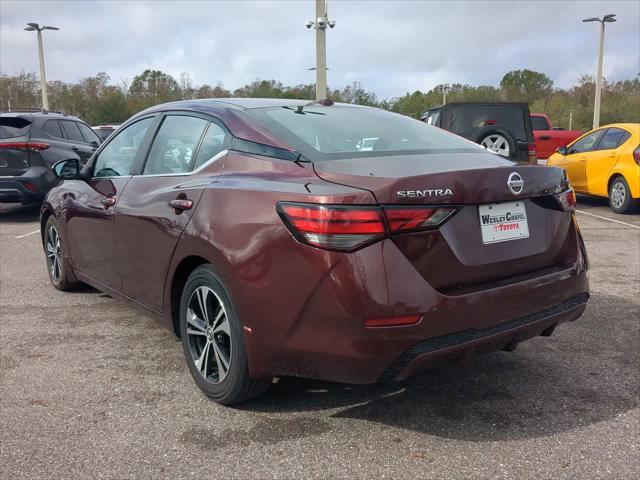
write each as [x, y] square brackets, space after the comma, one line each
[490, 122]
[636, 155]
[333, 227]
[30, 186]
[567, 200]
[404, 219]
[25, 145]
[347, 228]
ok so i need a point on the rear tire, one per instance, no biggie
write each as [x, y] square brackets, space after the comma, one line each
[213, 341]
[620, 199]
[58, 265]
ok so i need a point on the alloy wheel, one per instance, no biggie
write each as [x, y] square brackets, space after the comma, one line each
[209, 334]
[618, 194]
[497, 144]
[53, 252]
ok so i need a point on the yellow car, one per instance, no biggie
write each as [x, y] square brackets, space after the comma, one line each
[605, 162]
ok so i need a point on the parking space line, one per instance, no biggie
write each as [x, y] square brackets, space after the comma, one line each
[609, 219]
[28, 234]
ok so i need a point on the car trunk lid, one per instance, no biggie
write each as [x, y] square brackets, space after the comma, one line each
[456, 257]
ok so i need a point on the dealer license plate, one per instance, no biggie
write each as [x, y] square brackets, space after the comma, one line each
[500, 222]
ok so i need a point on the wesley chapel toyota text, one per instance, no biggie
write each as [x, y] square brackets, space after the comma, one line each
[331, 241]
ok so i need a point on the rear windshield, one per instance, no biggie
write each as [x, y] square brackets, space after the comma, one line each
[466, 119]
[339, 131]
[539, 123]
[11, 127]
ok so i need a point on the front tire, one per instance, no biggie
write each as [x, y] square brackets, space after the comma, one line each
[620, 199]
[213, 340]
[58, 266]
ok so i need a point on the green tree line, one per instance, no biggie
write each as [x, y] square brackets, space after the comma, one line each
[97, 100]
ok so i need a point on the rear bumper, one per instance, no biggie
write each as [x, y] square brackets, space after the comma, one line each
[31, 187]
[460, 346]
[328, 340]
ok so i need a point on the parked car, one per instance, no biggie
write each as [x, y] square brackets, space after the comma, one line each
[30, 143]
[503, 128]
[103, 131]
[330, 241]
[605, 162]
[548, 138]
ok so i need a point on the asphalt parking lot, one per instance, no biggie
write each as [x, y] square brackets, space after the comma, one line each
[92, 388]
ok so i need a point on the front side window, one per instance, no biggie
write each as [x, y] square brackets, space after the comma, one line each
[89, 135]
[72, 131]
[334, 132]
[175, 145]
[613, 139]
[586, 144]
[117, 157]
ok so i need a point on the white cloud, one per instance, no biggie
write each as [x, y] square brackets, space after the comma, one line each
[391, 47]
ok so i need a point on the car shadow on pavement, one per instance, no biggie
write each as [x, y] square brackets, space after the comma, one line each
[16, 213]
[586, 373]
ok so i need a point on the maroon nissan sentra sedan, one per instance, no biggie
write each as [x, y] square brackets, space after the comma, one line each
[313, 239]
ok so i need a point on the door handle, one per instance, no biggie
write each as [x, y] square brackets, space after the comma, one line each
[108, 202]
[180, 204]
[545, 137]
[75, 149]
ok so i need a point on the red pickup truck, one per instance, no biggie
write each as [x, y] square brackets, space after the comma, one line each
[548, 138]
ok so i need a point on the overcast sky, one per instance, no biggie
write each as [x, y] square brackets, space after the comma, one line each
[392, 47]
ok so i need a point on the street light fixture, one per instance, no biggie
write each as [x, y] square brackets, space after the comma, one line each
[610, 18]
[320, 25]
[31, 27]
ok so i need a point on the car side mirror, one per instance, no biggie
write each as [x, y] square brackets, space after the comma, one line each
[562, 150]
[94, 144]
[67, 169]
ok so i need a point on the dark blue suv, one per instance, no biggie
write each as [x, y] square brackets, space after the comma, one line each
[30, 143]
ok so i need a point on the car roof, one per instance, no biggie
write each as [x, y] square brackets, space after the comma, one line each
[48, 115]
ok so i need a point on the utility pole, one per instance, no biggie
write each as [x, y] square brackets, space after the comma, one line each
[596, 107]
[571, 117]
[43, 78]
[320, 25]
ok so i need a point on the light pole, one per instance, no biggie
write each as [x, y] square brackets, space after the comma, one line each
[445, 89]
[320, 25]
[43, 79]
[596, 108]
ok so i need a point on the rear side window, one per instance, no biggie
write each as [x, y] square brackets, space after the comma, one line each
[52, 127]
[539, 123]
[613, 139]
[89, 135]
[212, 144]
[12, 127]
[72, 131]
[175, 145]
